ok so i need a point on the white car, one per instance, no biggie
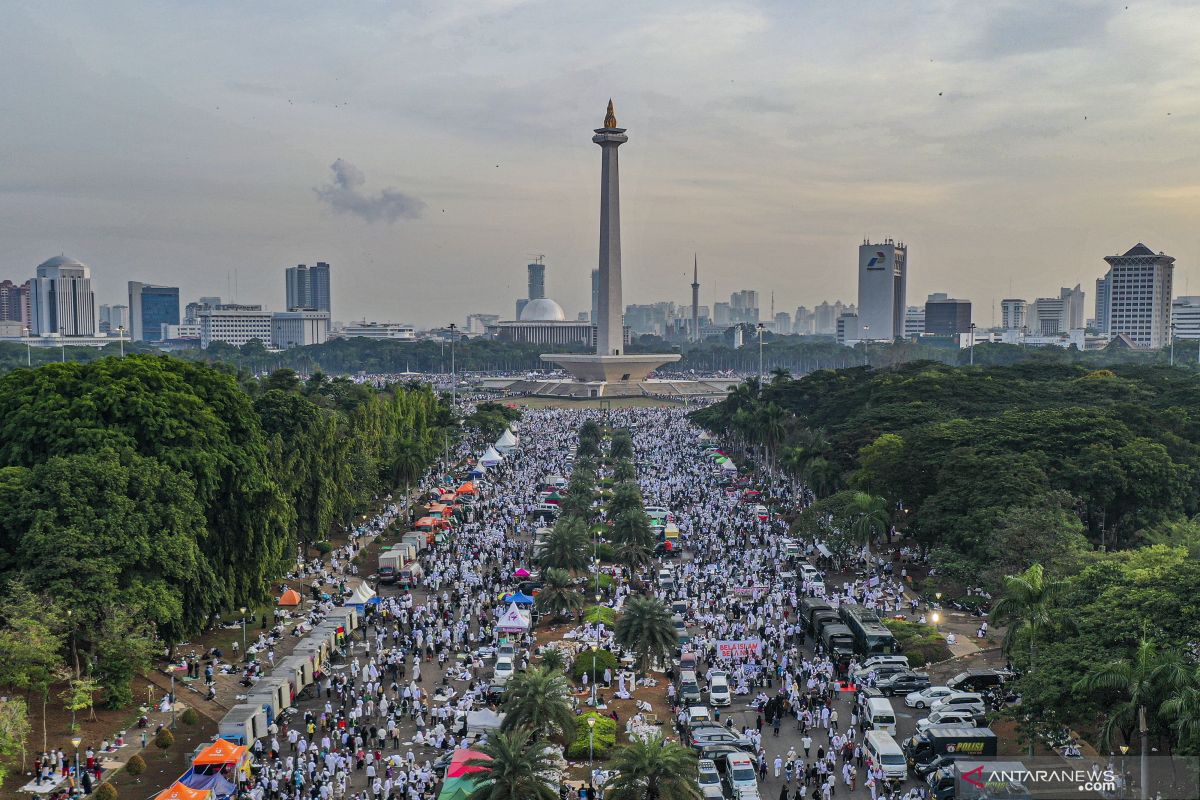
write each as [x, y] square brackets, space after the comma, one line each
[699, 714]
[503, 671]
[970, 702]
[926, 697]
[954, 719]
[718, 689]
[710, 780]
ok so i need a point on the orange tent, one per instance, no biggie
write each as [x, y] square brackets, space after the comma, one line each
[181, 792]
[467, 488]
[289, 598]
[220, 752]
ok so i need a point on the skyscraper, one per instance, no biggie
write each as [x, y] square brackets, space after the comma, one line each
[61, 299]
[882, 281]
[13, 299]
[1103, 298]
[308, 287]
[151, 307]
[537, 280]
[1073, 312]
[1012, 314]
[1139, 286]
[945, 316]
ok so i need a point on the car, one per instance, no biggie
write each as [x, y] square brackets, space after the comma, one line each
[666, 579]
[809, 573]
[689, 687]
[966, 701]
[679, 606]
[506, 649]
[709, 779]
[503, 670]
[740, 775]
[706, 735]
[903, 683]
[926, 697]
[762, 513]
[974, 680]
[874, 662]
[956, 719]
[699, 714]
[718, 689]
[681, 633]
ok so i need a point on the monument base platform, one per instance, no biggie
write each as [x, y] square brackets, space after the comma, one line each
[610, 369]
[593, 390]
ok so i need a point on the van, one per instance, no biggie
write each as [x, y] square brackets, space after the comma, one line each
[881, 749]
[740, 775]
[961, 701]
[880, 715]
[681, 632]
[689, 688]
[976, 680]
[666, 579]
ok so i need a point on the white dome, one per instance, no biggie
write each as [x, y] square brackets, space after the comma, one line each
[543, 310]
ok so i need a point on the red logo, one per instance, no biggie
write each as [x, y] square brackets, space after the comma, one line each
[976, 781]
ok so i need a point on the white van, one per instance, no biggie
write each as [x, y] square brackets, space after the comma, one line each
[880, 715]
[882, 749]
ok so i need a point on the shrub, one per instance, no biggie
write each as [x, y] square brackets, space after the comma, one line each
[921, 643]
[603, 614]
[136, 766]
[164, 739]
[323, 547]
[583, 663]
[604, 737]
[109, 792]
[190, 717]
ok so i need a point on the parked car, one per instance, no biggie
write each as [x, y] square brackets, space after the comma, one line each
[926, 697]
[903, 683]
[874, 662]
[709, 780]
[708, 734]
[503, 670]
[718, 689]
[962, 719]
[965, 701]
[740, 775]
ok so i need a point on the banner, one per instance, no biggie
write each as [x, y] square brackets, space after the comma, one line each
[750, 589]
[739, 648]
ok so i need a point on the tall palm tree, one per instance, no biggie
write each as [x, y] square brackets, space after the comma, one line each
[632, 525]
[653, 769]
[559, 597]
[634, 555]
[537, 699]
[645, 629]
[780, 375]
[408, 465]
[625, 497]
[1184, 710]
[623, 470]
[821, 475]
[1028, 607]
[871, 518]
[517, 767]
[567, 546]
[621, 447]
[770, 424]
[553, 659]
[1145, 681]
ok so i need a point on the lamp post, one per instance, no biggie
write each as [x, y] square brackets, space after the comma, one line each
[171, 700]
[591, 750]
[121, 338]
[1172, 344]
[77, 740]
[243, 610]
[453, 382]
[761, 328]
[62, 343]
[972, 344]
[595, 647]
[28, 349]
[1124, 749]
[935, 618]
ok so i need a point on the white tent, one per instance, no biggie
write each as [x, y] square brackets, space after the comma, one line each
[513, 620]
[507, 442]
[360, 595]
[491, 458]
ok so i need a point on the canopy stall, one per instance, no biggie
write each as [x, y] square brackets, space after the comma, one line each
[520, 598]
[514, 620]
[459, 766]
[507, 442]
[179, 791]
[490, 458]
[221, 787]
[360, 596]
[290, 597]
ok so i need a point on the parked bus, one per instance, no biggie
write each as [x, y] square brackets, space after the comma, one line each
[871, 636]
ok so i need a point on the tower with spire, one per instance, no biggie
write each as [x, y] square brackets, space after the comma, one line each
[695, 298]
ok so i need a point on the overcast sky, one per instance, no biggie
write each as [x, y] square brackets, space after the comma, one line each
[427, 149]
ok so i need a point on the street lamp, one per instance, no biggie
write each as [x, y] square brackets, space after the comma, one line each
[1172, 344]
[761, 328]
[595, 647]
[1124, 749]
[28, 351]
[453, 382]
[935, 618]
[591, 751]
[972, 344]
[121, 338]
[77, 740]
[243, 610]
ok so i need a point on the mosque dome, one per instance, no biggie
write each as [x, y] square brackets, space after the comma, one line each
[543, 310]
[61, 261]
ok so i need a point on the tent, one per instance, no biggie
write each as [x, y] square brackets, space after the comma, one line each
[457, 789]
[214, 782]
[520, 598]
[521, 573]
[466, 488]
[491, 458]
[507, 442]
[514, 620]
[181, 792]
[290, 597]
[360, 596]
[458, 763]
[478, 472]
[220, 752]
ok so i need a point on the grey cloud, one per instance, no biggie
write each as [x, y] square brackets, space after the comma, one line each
[1040, 27]
[345, 196]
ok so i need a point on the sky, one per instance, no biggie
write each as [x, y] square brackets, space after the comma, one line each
[429, 149]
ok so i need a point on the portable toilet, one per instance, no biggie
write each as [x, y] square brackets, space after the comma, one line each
[243, 724]
[315, 651]
[273, 694]
[346, 615]
[294, 669]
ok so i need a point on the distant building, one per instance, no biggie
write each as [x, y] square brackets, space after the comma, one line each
[882, 282]
[1103, 299]
[299, 328]
[914, 322]
[743, 307]
[1073, 307]
[543, 322]
[1012, 314]
[722, 315]
[946, 316]
[14, 302]
[61, 299]
[847, 328]
[151, 307]
[1185, 316]
[652, 318]
[1140, 286]
[783, 322]
[537, 280]
[477, 324]
[235, 324]
[1046, 316]
[396, 331]
[191, 312]
[308, 287]
[114, 319]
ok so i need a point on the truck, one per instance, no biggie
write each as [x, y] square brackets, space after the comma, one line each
[839, 643]
[390, 562]
[411, 575]
[949, 743]
[974, 780]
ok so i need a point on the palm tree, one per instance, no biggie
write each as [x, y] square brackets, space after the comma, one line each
[632, 525]
[821, 475]
[537, 699]
[1184, 710]
[623, 470]
[517, 767]
[1028, 607]
[553, 659]
[622, 446]
[408, 465]
[779, 375]
[653, 769]
[634, 555]
[645, 629]
[558, 597]
[871, 518]
[625, 497]
[770, 424]
[566, 547]
[1145, 680]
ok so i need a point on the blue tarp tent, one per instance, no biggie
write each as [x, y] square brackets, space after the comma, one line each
[520, 598]
[216, 782]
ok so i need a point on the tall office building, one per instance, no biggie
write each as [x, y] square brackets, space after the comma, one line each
[743, 307]
[1103, 298]
[235, 324]
[1012, 314]
[945, 316]
[914, 322]
[151, 307]
[783, 323]
[1185, 316]
[537, 280]
[1073, 310]
[1139, 286]
[882, 282]
[1047, 316]
[308, 287]
[61, 299]
[14, 301]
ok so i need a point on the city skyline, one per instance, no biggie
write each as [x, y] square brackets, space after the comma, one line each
[1041, 126]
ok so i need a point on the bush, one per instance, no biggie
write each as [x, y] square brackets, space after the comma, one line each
[323, 547]
[603, 614]
[190, 717]
[604, 737]
[583, 663]
[164, 739]
[109, 792]
[136, 766]
[921, 643]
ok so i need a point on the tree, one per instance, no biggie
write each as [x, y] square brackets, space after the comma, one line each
[566, 547]
[624, 470]
[1183, 710]
[632, 525]
[515, 767]
[653, 769]
[645, 628]
[124, 648]
[625, 497]
[538, 699]
[558, 597]
[1028, 608]
[14, 731]
[553, 659]
[621, 447]
[871, 519]
[79, 695]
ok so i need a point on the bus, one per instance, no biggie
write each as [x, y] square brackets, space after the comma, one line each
[871, 636]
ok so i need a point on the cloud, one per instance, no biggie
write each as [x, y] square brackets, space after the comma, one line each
[345, 196]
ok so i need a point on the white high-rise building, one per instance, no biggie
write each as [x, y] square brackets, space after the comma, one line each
[235, 324]
[61, 299]
[882, 281]
[1073, 310]
[1139, 305]
[1012, 314]
[914, 321]
[1103, 299]
[1185, 316]
[299, 328]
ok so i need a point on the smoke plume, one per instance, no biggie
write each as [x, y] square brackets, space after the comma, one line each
[344, 195]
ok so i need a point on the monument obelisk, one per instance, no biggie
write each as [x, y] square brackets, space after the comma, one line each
[611, 368]
[610, 338]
